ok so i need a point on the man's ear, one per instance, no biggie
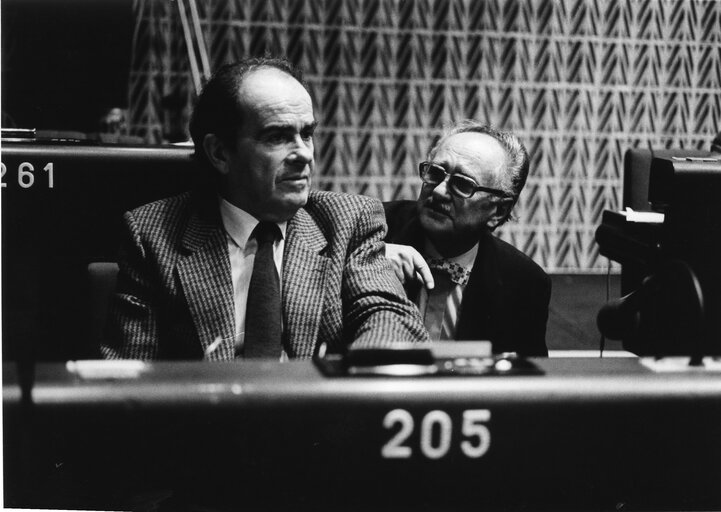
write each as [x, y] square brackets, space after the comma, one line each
[216, 153]
[501, 213]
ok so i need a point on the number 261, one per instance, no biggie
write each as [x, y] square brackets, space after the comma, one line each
[26, 175]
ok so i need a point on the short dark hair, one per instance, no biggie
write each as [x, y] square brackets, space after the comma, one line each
[518, 164]
[217, 109]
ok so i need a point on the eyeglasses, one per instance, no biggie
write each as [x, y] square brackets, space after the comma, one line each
[459, 185]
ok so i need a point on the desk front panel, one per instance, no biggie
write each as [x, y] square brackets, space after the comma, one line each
[585, 433]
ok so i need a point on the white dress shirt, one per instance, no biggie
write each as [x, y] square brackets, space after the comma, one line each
[239, 225]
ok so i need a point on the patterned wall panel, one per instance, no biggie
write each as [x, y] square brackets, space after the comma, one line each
[580, 81]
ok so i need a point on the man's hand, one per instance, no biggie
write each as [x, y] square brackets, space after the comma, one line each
[409, 264]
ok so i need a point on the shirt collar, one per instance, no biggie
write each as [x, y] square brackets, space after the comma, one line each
[465, 260]
[239, 224]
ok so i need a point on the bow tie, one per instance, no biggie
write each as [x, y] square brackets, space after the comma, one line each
[458, 273]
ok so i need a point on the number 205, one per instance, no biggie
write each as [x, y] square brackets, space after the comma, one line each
[436, 432]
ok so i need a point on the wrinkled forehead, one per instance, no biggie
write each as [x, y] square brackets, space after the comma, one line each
[478, 155]
[274, 96]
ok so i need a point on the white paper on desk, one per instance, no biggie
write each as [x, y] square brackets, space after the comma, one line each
[680, 364]
[104, 369]
[646, 217]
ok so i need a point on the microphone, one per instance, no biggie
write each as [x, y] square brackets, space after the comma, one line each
[618, 318]
[621, 317]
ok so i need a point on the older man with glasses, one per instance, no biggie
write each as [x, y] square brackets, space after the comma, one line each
[467, 283]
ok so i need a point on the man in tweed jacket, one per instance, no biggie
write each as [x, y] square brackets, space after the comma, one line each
[184, 261]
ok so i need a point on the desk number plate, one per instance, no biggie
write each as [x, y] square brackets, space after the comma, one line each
[435, 437]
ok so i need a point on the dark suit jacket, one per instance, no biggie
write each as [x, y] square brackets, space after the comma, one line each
[506, 299]
[175, 297]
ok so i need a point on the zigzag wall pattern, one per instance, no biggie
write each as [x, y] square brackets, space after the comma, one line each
[580, 81]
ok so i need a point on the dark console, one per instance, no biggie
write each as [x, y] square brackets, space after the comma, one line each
[671, 276]
[580, 434]
[62, 203]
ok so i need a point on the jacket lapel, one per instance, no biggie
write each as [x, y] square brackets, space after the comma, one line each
[204, 273]
[478, 307]
[304, 274]
[409, 233]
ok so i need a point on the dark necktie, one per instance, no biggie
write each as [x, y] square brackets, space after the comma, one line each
[263, 313]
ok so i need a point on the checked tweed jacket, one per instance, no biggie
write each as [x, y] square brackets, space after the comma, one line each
[507, 296]
[175, 297]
